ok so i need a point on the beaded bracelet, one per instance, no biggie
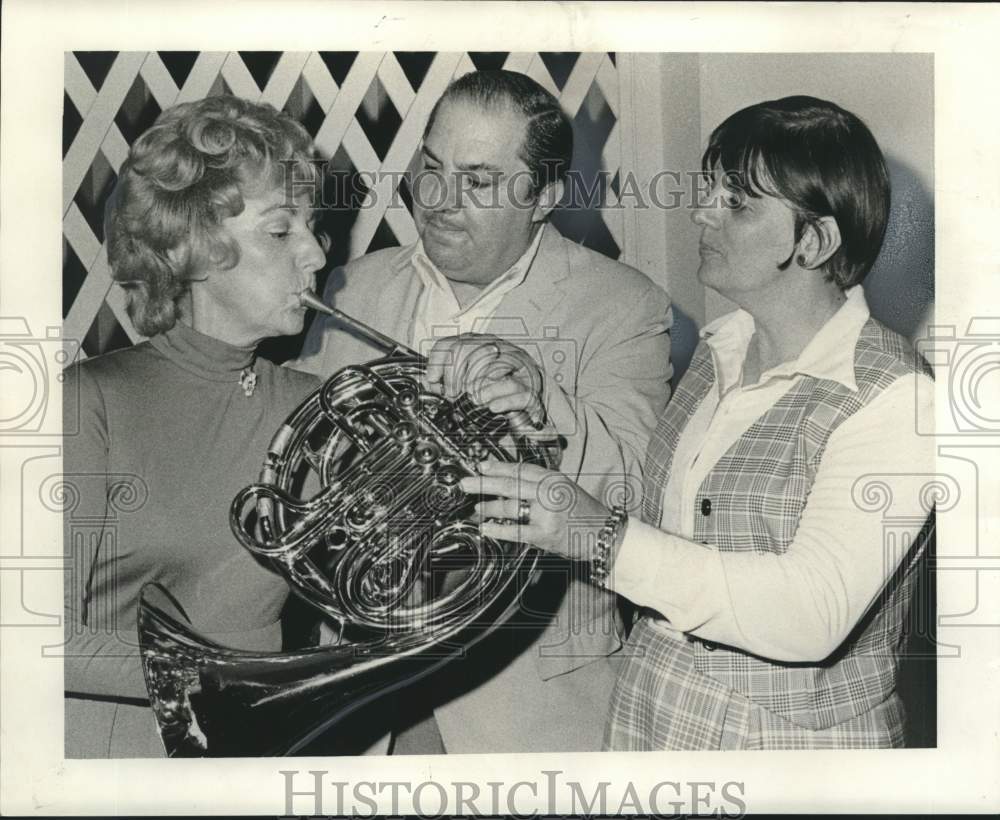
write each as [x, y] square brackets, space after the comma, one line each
[600, 565]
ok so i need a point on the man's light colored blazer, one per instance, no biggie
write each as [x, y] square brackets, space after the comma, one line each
[599, 331]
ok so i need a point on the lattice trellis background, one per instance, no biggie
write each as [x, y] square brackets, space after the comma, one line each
[367, 113]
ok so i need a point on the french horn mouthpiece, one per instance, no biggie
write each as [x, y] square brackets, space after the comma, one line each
[310, 300]
[519, 421]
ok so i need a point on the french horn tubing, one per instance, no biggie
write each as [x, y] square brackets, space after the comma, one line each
[358, 507]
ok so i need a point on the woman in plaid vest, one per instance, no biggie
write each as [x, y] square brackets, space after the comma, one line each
[772, 599]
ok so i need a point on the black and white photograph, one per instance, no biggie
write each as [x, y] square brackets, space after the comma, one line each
[499, 408]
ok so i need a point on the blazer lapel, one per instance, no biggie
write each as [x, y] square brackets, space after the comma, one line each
[533, 301]
[397, 301]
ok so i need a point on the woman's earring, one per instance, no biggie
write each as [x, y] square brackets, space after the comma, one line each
[801, 260]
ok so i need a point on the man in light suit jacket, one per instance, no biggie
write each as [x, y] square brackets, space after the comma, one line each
[582, 346]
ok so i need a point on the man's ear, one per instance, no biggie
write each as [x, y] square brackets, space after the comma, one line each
[819, 242]
[548, 198]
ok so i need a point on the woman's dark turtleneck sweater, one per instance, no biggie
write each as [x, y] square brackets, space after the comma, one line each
[165, 439]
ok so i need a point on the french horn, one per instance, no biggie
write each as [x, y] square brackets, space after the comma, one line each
[358, 507]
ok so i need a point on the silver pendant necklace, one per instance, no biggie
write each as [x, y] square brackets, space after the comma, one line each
[248, 380]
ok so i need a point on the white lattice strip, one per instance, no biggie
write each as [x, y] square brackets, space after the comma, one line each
[464, 66]
[341, 114]
[411, 129]
[359, 149]
[77, 232]
[95, 287]
[395, 84]
[203, 75]
[116, 301]
[238, 77]
[607, 81]
[99, 119]
[399, 219]
[98, 287]
[87, 302]
[158, 80]
[520, 61]
[78, 85]
[404, 145]
[580, 80]
[284, 77]
[320, 83]
[538, 71]
[114, 148]
[365, 160]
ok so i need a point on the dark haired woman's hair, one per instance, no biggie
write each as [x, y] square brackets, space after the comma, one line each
[182, 178]
[822, 160]
[547, 148]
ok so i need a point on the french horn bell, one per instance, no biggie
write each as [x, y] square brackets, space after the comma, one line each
[358, 507]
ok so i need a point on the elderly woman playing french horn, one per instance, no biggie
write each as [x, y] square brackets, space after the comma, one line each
[772, 615]
[213, 250]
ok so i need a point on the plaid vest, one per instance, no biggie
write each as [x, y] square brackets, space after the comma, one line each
[752, 499]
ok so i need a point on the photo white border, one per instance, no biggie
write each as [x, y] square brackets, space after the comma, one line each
[959, 775]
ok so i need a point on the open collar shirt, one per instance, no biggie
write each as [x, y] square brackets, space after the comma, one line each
[438, 313]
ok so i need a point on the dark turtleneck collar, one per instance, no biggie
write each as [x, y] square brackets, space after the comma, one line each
[209, 358]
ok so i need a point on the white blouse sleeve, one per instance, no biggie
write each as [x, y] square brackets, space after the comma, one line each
[799, 605]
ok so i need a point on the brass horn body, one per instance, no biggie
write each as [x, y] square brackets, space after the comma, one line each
[358, 507]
